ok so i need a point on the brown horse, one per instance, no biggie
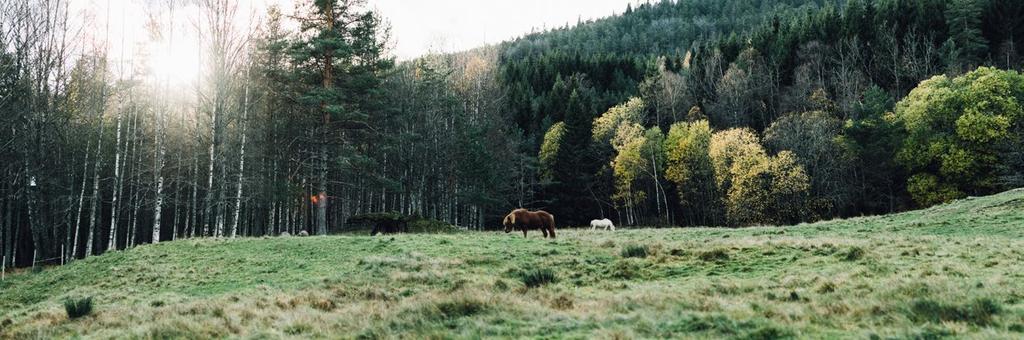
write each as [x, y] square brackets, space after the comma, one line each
[524, 220]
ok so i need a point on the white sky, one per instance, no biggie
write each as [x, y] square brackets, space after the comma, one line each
[418, 26]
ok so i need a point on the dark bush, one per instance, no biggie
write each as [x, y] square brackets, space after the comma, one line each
[429, 226]
[634, 250]
[77, 308]
[538, 277]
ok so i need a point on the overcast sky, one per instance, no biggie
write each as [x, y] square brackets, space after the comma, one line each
[419, 26]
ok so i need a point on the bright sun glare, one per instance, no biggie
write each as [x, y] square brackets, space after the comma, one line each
[177, 65]
[175, 57]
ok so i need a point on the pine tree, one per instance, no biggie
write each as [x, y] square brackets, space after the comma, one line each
[337, 60]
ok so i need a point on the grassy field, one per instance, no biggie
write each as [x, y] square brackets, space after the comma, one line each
[954, 270]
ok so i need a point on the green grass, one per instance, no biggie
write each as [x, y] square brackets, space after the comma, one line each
[950, 271]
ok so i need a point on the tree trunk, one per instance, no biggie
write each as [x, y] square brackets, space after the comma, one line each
[241, 157]
[112, 244]
[158, 173]
[95, 190]
[81, 202]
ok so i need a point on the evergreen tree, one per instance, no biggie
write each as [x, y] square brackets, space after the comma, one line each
[574, 165]
[337, 60]
[963, 19]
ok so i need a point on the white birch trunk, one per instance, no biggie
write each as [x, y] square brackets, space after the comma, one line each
[95, 190]
[209, 183]
[241, 157]
[158, 173]
[81, 202]
[112, 244]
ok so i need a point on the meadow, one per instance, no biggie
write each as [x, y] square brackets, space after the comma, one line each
[951, 270]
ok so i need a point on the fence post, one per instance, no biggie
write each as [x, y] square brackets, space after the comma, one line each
[3, 268]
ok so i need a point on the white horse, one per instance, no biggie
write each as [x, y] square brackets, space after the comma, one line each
[606, 224]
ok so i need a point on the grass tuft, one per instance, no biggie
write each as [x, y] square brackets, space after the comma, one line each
[625, 269]
[978, 312]
[854, 254]
[538, 277]
[562, 302]
[715, 255]
[767, 333]
[78, 307]
[635, 250]
[459, 307]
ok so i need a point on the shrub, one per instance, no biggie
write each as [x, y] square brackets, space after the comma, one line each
[717, 254]
[78, 307]
[538, 277]
[639, 251]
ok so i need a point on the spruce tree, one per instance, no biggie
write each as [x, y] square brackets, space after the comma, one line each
[963, 18]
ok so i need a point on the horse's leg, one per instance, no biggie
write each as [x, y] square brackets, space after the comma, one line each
[545, 231]
[524, 232]
[551, 230]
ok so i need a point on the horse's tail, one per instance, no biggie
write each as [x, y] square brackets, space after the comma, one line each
[551, 228]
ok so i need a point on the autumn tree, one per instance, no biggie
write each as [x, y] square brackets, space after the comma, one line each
[690, 169]
[758, 188]
[814, 139]
[958, 132]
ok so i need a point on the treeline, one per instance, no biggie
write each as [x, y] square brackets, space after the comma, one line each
[281, 131]
[815, 89]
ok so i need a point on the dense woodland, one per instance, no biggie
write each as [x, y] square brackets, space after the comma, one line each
[686, 113]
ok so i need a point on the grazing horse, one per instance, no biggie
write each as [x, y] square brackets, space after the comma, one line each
[605, 224]
[524, 220]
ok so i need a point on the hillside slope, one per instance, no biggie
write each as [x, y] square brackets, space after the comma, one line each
[950, 270]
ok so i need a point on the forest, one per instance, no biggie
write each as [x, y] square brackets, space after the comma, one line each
[673, 113]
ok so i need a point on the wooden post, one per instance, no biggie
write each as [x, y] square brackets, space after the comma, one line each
[3, 268]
